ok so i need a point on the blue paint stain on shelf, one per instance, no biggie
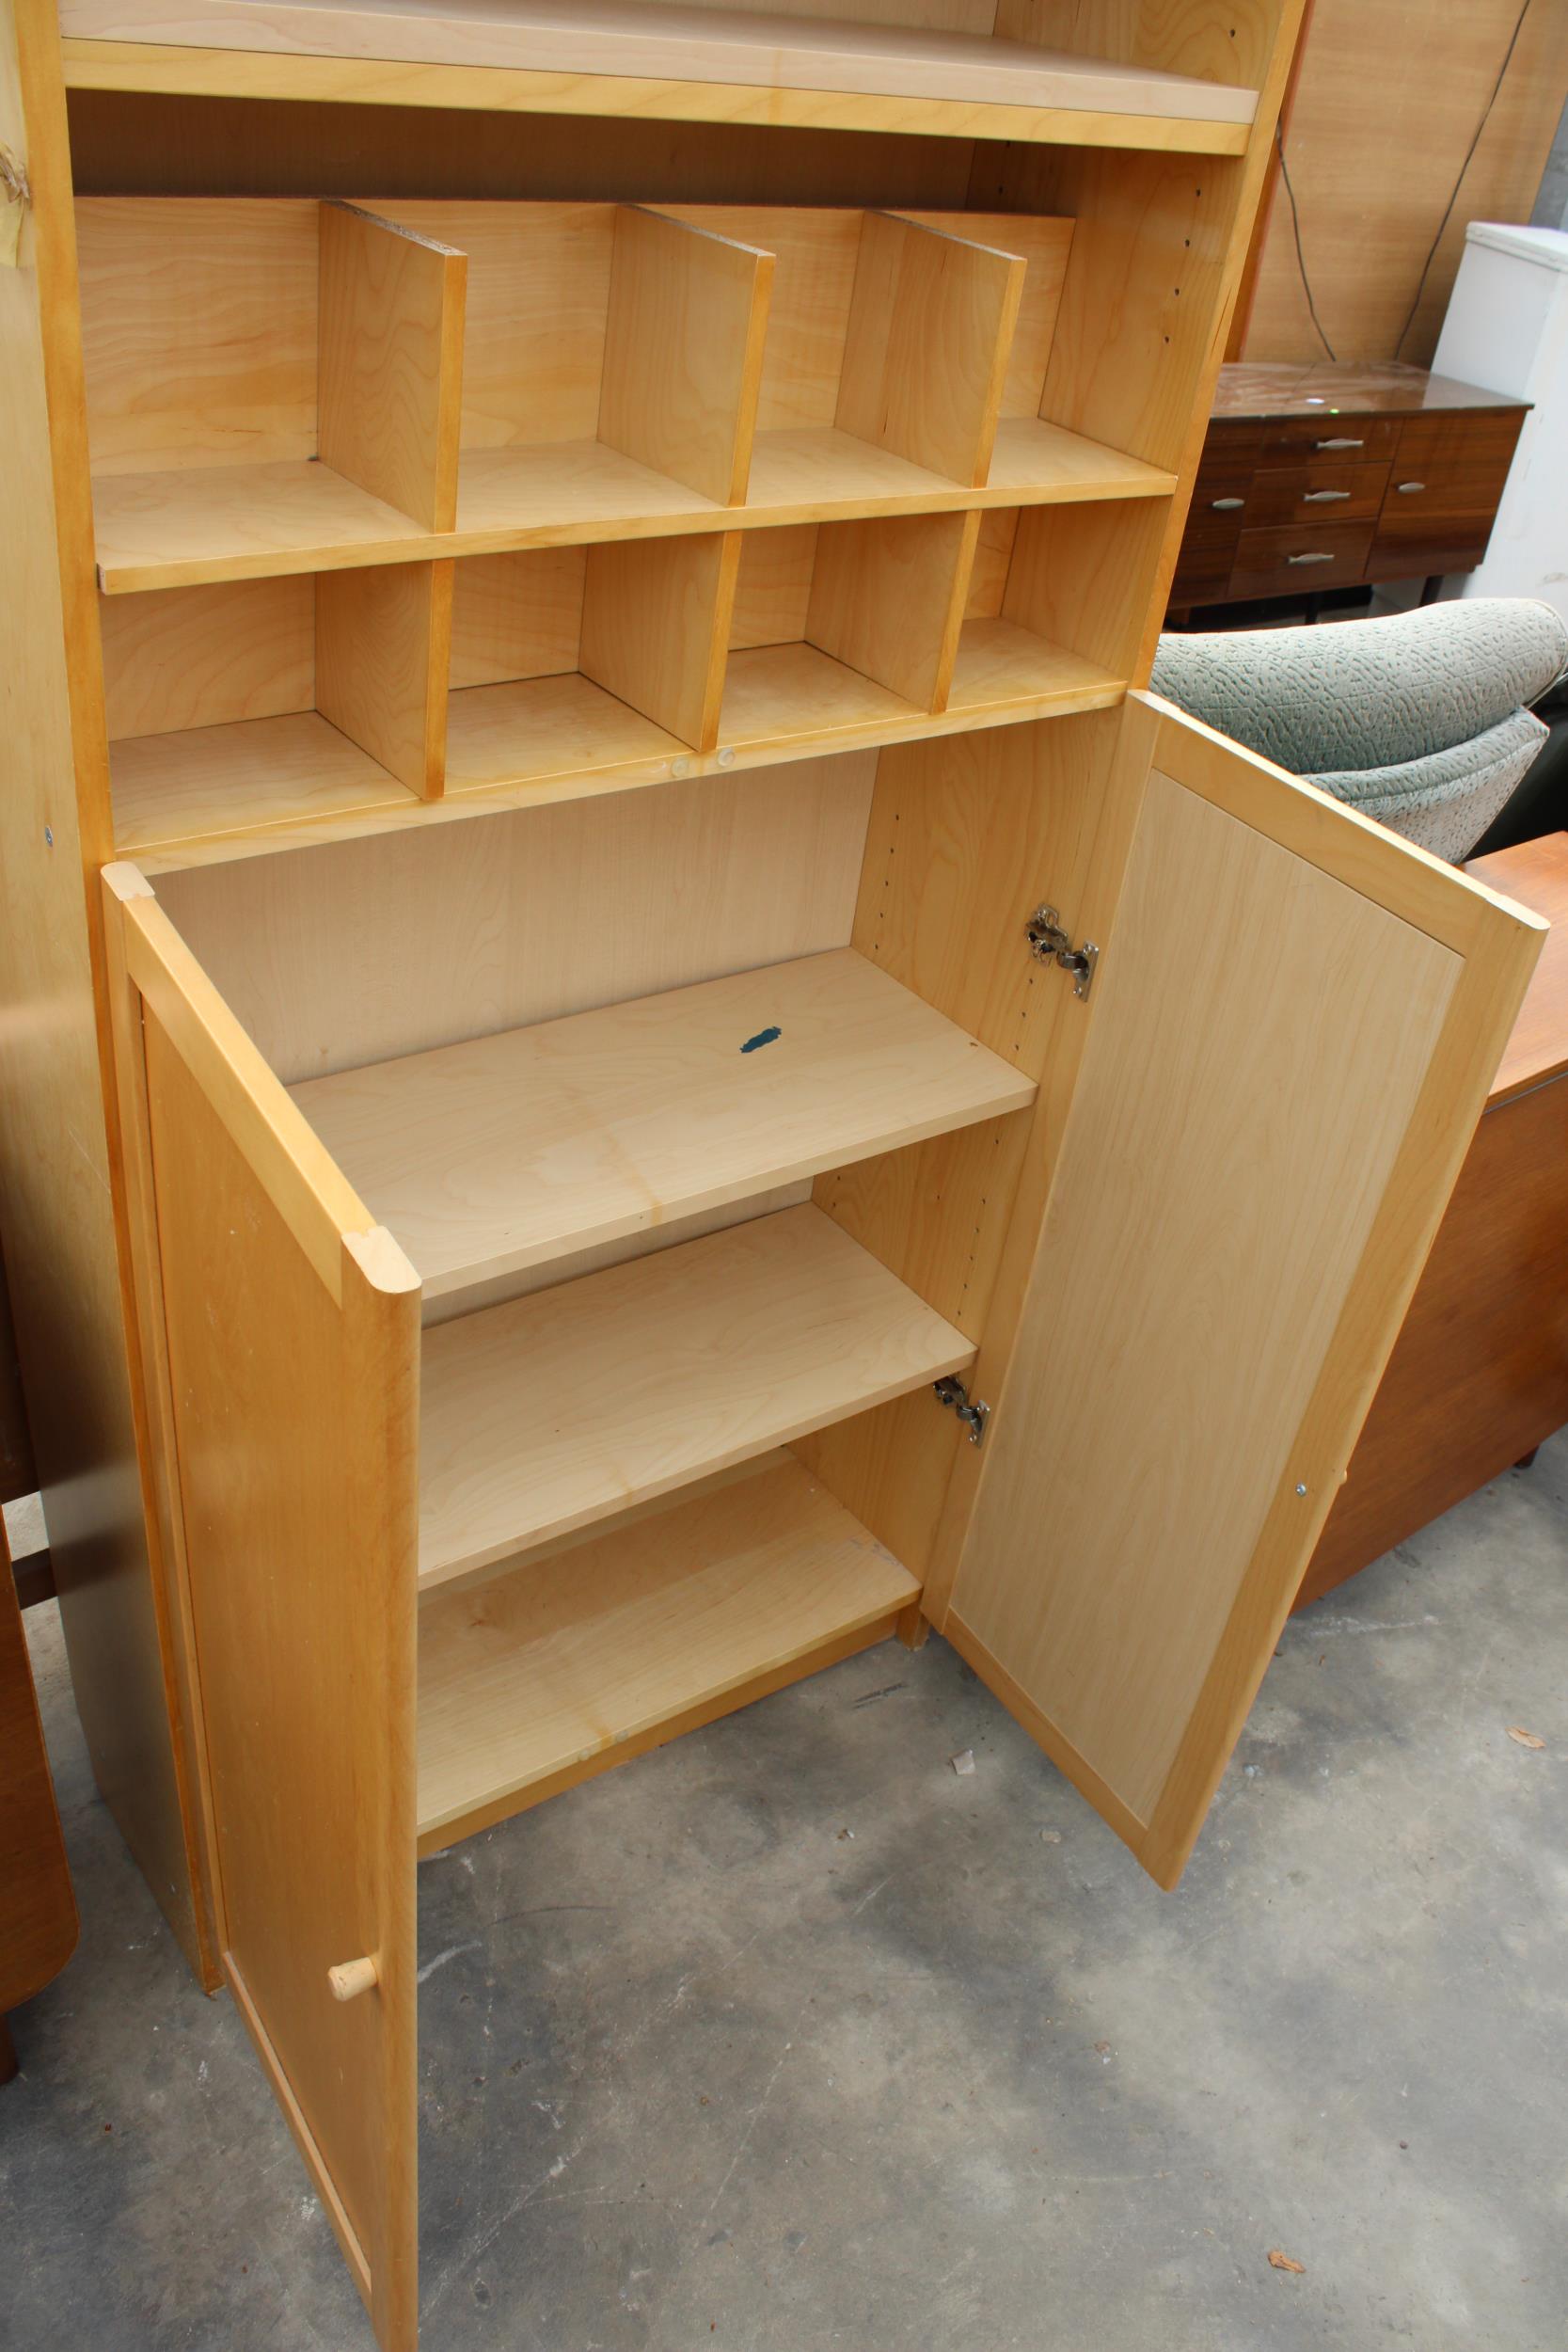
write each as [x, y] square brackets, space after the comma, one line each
[763, 1037]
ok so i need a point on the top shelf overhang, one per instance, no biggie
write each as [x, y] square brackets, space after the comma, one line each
[652, 62]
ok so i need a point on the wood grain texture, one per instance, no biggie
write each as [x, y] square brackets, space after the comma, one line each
[39, 1929]
[389, 378]
[1386, 104]
[232, 289]
[1479, 1376]
[383, 657]
[546, 1414]
[207, 657]
[537, 1674]
[69, 1288]
[887, 598]
[517, 616]
[655, 623]
[487, 1157]
[1295, 1344]
[18, 1470]
[297, 1470]
[614, 60]
[928, 346]
[684, 335]
[217, 791]
[362, 951]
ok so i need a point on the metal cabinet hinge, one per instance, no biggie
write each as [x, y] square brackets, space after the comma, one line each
[1050, 943]
[952, 1394]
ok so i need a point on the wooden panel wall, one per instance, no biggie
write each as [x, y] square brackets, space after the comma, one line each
[1388, 101]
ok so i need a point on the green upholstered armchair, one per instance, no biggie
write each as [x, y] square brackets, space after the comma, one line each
[1420, 720]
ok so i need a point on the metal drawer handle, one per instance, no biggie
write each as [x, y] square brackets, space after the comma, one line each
[1404, 488]
[1344, 441]
[1321, 497]
[1309, 559]
[1223, 506]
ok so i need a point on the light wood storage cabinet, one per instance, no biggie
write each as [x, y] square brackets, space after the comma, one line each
[631, 1056]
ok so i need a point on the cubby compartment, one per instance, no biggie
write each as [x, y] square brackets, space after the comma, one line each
[275, 702]
[1054, 609]
[844, 631]
[582, 663]
[272, 387]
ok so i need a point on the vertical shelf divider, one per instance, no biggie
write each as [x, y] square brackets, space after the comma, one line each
[931, 325]
[684, 340]
[390, 385]
[887, 598]
[656, 627]
[384, 664]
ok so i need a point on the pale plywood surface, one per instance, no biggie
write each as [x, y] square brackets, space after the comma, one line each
[1001, 666]
[776, 694]
[533, 1673]
[489, 1157]
[531, 729]
[364, 950]
[1117, 1516]
[383, 654]
[1037, 459]
[207, 784]
[390, 365]
[541, 1416]
[699, 45]
[237, 522]
[655, 623]
[683, 350]
[180, 658]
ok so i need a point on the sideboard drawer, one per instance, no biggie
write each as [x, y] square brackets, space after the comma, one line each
[1355, 439]
[1300, 558]
[1202, 574]
[1328, 490]
[1458, 462]
[1223, 500]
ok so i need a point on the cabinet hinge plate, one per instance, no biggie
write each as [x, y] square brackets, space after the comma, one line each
[952, 1394]
[1050, 943]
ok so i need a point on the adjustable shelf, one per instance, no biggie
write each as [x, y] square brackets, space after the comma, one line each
[575, 1405]
[722, 65]
[583, 372]
[505, 1152]
[540, 1677]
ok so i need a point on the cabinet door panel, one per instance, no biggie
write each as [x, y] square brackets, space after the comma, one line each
[286, 1356]
[1293, 1027]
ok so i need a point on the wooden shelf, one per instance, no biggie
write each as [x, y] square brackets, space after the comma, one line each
[509, 1150]
[544, 1415]
[778, 695]
[534, 730]
[211, 783]
[1004, 671]
[183, 528]
[542, 1678]
[664, 62]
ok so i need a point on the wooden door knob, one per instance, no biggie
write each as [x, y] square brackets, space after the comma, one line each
[351, 1977]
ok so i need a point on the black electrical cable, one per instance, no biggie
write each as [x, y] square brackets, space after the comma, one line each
[1295, 226]
[1486, 117]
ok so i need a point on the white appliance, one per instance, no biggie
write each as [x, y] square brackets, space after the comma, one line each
[1507, 329]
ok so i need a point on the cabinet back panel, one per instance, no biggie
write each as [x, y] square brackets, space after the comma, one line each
[359, 950]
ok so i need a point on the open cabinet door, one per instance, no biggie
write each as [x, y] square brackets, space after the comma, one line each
[1291, 1033]
[279, 1338]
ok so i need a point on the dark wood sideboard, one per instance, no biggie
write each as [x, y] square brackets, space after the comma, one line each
[1335, 476]
[1479, 1376]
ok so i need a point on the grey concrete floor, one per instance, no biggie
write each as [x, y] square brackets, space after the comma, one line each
[789, 2038]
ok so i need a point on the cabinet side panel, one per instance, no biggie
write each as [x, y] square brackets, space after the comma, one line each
[58, 1140]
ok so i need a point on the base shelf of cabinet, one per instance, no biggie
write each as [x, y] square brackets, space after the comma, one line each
[550, 1673]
